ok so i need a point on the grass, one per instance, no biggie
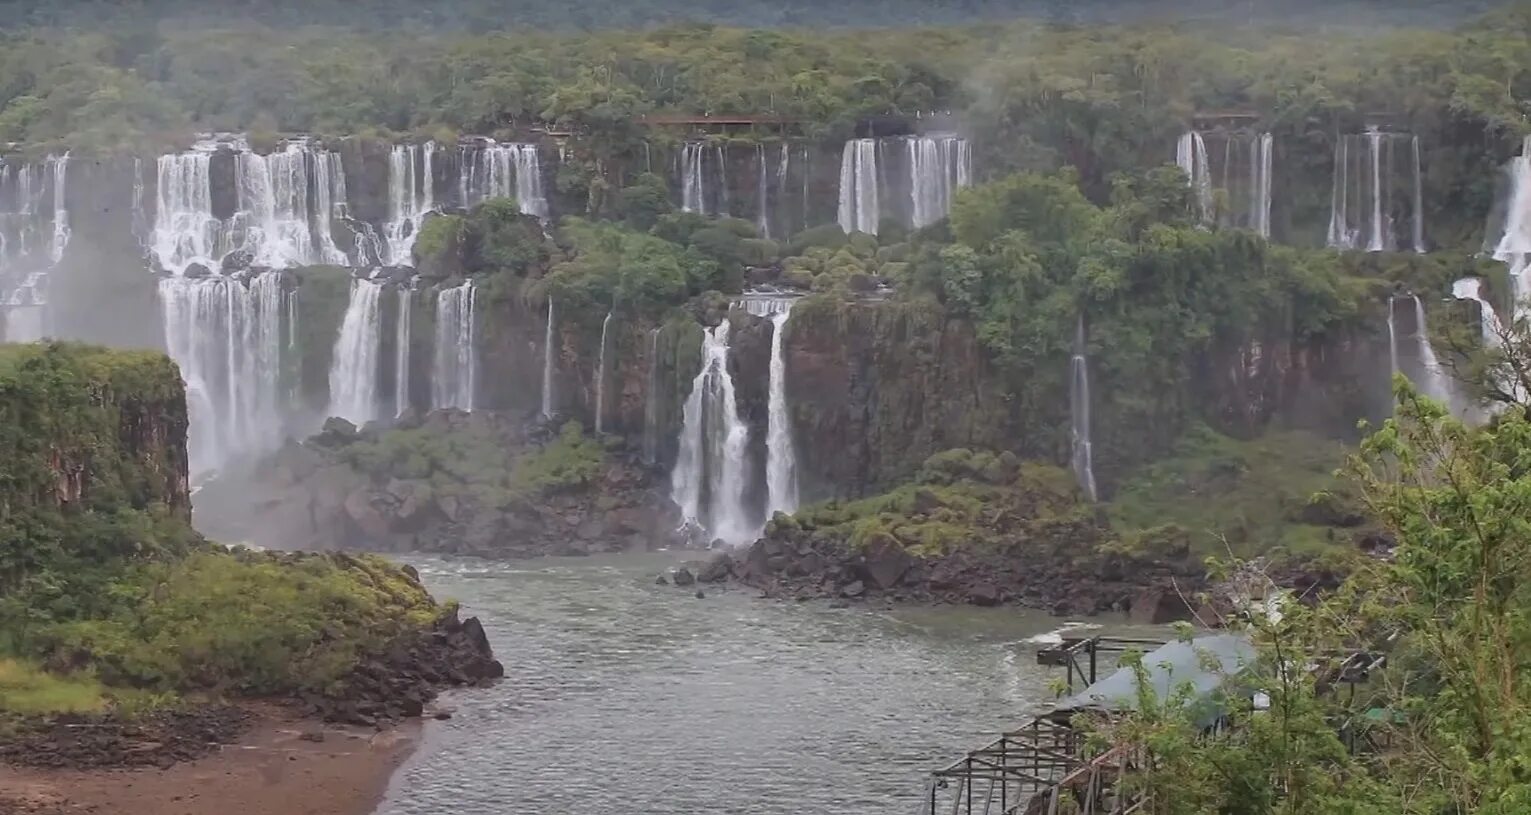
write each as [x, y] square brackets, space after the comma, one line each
[1251, 494]
[27, 690]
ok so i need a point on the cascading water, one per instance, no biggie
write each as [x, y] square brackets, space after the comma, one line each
[781, 455]
[355, 364]
[693, 190]
[651, 403]
[1082, 456]
[1432, 380]
[548, 355]
[1512, 245]
[1489, 326]
[938, 165]
[401, 356]
[708, 482]
[411, 196]
[494, 170]
[1262, 161]
[1364, 213]
[329, 205]
[859, 208]
[1191, 156]
[783, 175]
[226, 336]
[33, 202]
[762, 193]
[600, 379]
[455, 378]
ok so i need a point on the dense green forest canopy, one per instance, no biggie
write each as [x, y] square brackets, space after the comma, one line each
[1035, 93]
[479, 15]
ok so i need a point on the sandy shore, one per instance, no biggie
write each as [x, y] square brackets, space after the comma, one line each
[274, 769]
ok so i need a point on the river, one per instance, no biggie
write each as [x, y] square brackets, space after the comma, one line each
[622, 697]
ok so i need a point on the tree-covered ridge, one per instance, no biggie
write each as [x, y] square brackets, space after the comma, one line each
[1032, 91]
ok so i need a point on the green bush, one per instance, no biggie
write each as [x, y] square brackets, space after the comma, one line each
[573, 461]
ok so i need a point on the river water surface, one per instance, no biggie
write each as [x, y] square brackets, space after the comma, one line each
[626, 698]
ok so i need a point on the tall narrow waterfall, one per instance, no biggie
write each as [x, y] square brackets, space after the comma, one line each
[401, 350]
[355, 364]
[781, 455]
[708, 481]
[1082, 458]
[548, 355]
[226, 336]
[600, 378]
[329, 205]
[1191, 156]
[938, 165]
[1262, 165]
[651, 403]
[455, 378]
[1489, 325]
[693, 187]
[1365, 211]
[1510, 240]
[762, 193]
[1436, 384]
[34, 232]
[859, 209]
[494, 170]
[411, 196]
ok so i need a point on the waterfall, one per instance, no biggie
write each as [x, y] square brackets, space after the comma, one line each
[354, 366]
[651, 403]
[401, 355]
[1392, 337]
[938, 165]
[783, 174]
[693, 192]
[1362, 212]
[1082, 458]
[1513, 244]
[859, 208]
[456, 371]
[24, 218]
[411, 196]
[1191, 156]
[1489, 326]
[1262, 163]
[1436, 384]
[226, 336]
[722, 158]
[285, 204]
[600, 379]
[762, 194]
[511, 170]
[140, 219]
[548, 355]
[708, 481]
[781, 455]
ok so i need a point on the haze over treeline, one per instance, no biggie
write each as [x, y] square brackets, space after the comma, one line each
[481, 15]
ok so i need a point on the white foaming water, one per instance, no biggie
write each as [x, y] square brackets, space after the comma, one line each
[33, 202]
[1513, 244]
[1490, 328]
[762, 193]
[1191, 156]
[401, 356]
[693, 186]
[1364, 209]
[455, 379]
[1432, 379]
[781, 454]
[494, 170]
[859, 207]
[708, 481]
[548, 355]
[285, 203]
[1082, 458]
[938, 165]
[355, 364]
[1262, 160]
[600, 379]
[411, 197]
[226, 336]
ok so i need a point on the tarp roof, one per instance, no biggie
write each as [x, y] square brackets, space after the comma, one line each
[1204, 663]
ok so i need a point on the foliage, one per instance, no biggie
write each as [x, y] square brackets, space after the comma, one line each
[27, 690]
[570, 462]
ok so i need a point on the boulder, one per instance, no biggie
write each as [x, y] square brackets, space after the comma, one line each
[853, 589]
[367, 518]
[717, 570]
[1155, 606]
[237, 261]
[985, 594]
[684, 577]
[886, 561]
